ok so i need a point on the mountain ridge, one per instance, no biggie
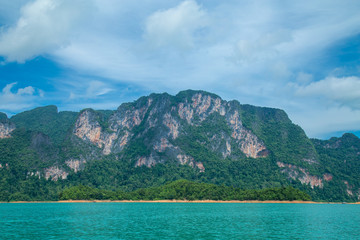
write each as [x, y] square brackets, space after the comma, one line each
[159, 137]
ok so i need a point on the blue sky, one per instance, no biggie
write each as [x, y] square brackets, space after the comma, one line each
[300, 56]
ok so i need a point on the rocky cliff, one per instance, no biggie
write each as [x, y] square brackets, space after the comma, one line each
[6, 127]
[341, 157]
[167, 118]
[194, 135]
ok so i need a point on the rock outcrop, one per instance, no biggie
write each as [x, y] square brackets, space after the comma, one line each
[6, 128]
[225, 142]
[167, 117]
[55, 173]
[298, 173]
[75, 164]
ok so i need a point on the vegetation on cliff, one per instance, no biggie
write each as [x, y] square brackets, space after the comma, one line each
[161, 138]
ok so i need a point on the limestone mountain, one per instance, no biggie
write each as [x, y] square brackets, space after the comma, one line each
[159, 138]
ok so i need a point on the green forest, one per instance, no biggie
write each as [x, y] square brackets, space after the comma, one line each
[44, 138]
[185, 190]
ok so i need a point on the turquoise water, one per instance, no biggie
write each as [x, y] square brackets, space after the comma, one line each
[179, 221]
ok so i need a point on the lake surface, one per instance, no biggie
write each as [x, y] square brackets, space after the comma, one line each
[178, 221]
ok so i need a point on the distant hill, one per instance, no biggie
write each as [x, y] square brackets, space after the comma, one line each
[160, 138]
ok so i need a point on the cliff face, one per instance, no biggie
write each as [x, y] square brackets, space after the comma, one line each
[6, 129]
[194, 135]
[162, 119]
[343, 152]
[298, 173]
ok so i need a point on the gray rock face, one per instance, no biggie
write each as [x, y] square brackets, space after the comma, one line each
[167, 118]
[228, 141]
[5, 129]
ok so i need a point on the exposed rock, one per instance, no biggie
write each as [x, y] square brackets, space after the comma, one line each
[172, 124]
[313, 181]
[55, 173]
[327, 177]
[5, 129]
[227, 151]
[75, 164]
[113, 139]
[298, 173]
[280, 164]
[37, 174]
[203, 105]
[146, 161]
[221, 143]
[162, 145]
[200, 166]
[152, 120]
[124, 139]
[249, 144]
[184, 159]
[185, 112]
[108, 142]
[6, 165]
[148, 112]
[310, 160]
[126, 118]
[218, 107]
[88, 129]
[348, 189]
[161, 128]
[129, 118]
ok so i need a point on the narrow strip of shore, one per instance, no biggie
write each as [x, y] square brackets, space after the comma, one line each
[179, 201]
[195, 201]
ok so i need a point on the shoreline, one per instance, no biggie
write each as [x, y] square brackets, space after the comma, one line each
[179, 201]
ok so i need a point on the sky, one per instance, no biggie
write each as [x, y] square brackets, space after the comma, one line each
[299, 56]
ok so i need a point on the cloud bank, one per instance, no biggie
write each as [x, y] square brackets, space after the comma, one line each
[21, 99]
[176, 26]
[269, 53]
[344, 91]
[43, 26]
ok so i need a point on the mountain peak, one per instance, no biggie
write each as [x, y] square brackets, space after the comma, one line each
[190, 93]
[194, 135]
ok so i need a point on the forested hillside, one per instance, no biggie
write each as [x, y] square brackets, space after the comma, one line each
[161, 138]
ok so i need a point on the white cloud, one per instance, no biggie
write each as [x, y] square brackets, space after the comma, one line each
[97, 88]
[44, 25]
[321, 122]
[175, 26]
[19, 100]
[345, 90]
[26, 91]
[268, 42]
[91, 90]
[304, 78]
[247, 50]
[263, 47]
